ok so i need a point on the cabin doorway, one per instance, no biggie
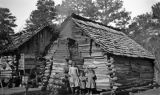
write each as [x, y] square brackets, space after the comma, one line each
[74, 53]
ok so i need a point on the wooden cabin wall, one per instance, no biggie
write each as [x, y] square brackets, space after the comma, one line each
[95, 58]
[133, 70]
[92, 54]
[157, 74]
[129, 70]
[67, 31]
[35, 46]
[39, 41]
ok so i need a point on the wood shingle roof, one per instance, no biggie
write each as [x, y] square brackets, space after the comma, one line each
[111, 40]
[20, 38]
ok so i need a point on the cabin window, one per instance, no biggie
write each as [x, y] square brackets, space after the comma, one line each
[71, 42]
[73, 47]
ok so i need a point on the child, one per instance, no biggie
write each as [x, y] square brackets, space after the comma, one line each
[74, 80]
[66, 82]
[91, 84]
[82, 79]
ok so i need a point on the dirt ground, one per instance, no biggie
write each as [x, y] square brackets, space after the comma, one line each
[150, 92]
[36, 91]
[10, 91]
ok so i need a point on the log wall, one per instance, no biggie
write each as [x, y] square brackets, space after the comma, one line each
[93, 55]
[128, 70]
[133, 70]
[35, 47]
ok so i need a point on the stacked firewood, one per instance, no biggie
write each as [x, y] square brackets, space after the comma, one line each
[112, 75]
[54, 70]
[48, 64]
[47, 73]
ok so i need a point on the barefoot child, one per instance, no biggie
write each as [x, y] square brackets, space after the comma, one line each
[82, 82]
[74, 80]
[91, 84]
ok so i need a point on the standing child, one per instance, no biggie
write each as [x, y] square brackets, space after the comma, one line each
[66, 82]
[82, 82]
[91, 84]
[74, 79]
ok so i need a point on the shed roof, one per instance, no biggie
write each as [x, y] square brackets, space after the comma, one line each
[111, 40]
[20, 38]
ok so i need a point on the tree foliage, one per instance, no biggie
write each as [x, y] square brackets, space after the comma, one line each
[144, 29]
[156, 10]
[7, 23]
[106, 11]
[141, 26]
[43, 15]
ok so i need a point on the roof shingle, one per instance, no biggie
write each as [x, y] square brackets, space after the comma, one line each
[111, 40]
[20, 38]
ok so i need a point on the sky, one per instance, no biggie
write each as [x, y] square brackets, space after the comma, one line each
[23, 8]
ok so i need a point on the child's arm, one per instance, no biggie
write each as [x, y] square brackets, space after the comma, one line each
[77, 71]
[69, 72]
[83, 78]
[95, 77]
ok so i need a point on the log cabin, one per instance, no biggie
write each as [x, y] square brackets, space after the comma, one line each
[27, 46]
[91, 43]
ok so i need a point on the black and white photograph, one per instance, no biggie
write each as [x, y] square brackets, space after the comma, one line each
[79, 47]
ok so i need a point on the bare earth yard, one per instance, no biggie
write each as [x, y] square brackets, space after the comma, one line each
[150, 92]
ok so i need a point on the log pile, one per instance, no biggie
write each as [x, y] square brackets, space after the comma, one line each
[48, 64]
[54, 70]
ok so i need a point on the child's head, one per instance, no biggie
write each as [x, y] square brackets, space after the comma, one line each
[82, 73]
[70, 62]
[91, 70]
[73, 64]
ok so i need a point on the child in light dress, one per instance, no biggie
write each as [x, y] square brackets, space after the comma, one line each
[90, 84]
[74, 79]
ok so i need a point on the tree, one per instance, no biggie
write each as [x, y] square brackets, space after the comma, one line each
[137, 29]
[7, 23]
[112, 12]
[142, 29]
[44, 15]
[145, 30]
[156, 10]
[106, 11]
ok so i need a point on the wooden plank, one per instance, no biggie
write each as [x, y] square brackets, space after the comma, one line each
[94, 54]
[97, 54]
[147, 75]
[87, 47]
[85, 54]
[146, 69]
